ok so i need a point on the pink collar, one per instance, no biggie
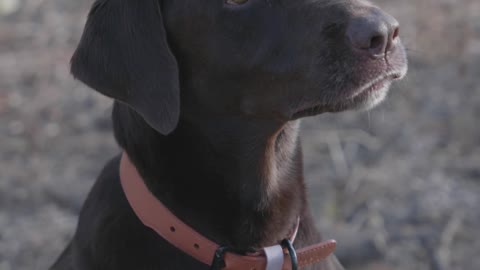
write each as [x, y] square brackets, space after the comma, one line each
[156, 216]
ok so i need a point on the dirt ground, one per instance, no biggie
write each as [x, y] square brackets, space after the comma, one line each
[398, 187]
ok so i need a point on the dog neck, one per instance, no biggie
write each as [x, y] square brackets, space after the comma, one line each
[242, 175]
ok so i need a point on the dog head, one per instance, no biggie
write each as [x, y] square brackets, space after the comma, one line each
[273, 59]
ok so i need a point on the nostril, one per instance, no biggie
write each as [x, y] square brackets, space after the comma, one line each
[391, 39]
[377, 43]
[396, 33]
[368, 34]
[375, 33]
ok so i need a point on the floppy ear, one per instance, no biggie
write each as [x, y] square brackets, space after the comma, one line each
[123, 54]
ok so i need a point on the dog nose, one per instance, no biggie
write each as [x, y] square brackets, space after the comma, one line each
[375, 33]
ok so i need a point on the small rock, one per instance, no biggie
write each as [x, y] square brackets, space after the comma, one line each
[15, 100]
[52, 129]
[8, 7]
[16, 127]
[474, 47]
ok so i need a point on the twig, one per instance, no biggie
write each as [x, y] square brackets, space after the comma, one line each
[443, 254]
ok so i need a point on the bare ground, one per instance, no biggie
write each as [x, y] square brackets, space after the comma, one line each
[399, 186]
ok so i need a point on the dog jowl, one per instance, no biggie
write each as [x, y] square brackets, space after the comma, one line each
[208, 94]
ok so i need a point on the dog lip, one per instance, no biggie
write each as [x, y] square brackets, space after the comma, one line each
[374, 84]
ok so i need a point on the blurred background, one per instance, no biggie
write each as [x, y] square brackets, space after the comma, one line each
[398, 187]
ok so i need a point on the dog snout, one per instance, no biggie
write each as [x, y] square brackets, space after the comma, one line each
[375, 33]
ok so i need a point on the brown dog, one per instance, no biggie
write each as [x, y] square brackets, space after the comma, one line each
[208, 96]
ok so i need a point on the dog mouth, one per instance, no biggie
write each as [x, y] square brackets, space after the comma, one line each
[372, 93]
[377, 84]
[364, 97]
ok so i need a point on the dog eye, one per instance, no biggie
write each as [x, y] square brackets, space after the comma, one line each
[236, 2]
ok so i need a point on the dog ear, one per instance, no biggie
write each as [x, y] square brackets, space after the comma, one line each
[123, 54]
